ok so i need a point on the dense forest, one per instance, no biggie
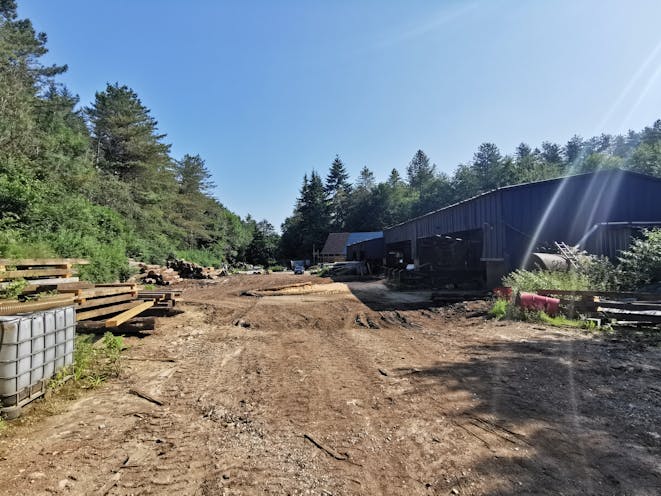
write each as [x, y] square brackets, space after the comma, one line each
[335, 203]
[99, 181]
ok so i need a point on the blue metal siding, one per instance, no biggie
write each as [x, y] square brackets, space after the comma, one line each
[570, 207]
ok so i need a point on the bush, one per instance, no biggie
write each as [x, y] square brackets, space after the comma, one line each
[499, 309]
[641, 264]
[532, 281]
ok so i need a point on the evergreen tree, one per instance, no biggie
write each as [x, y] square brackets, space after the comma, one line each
[125, 135]
[573, 149]
[337, 178]
[337, 189]
[551, 152]
[366, 180]
[394, 178]
[192, 175]
[486, 163]
[419, 171]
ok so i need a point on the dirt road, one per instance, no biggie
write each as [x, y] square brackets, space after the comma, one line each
[351, 390]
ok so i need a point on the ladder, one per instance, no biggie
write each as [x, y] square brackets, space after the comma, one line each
[568, 253]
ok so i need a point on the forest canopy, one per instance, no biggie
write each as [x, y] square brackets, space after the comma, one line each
[99, 181]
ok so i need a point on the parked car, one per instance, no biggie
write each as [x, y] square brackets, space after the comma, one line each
[299, 270]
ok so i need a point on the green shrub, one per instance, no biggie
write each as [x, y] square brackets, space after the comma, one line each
[276, 268]
[13, 289]
[531, 281]
[641, 263]
[499, 309]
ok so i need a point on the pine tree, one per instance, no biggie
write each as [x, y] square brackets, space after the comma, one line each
[419, 171]
[125, 135]
[337, 189]
[337, 178]
[366, 180]
[192, 175]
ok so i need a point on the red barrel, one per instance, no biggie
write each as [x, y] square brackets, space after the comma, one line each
[533, 301]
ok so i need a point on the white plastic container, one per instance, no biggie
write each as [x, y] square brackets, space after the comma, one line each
[33, 347]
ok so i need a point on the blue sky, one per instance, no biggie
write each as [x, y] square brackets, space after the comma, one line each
[266, 91]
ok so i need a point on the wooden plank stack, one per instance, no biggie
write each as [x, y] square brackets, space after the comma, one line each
[621, 307]
[99, 306]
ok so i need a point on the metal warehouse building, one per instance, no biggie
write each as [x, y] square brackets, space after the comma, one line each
[495, 232]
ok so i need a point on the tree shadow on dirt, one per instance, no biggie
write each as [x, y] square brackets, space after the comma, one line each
[558, 416]
[380, 298]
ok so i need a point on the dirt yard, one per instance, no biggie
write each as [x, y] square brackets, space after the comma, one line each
[350, 390]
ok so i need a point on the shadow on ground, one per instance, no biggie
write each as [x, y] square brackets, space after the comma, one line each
[560, 415]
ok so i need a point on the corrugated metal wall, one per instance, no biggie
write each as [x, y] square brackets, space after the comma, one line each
[371, 249]
[516, 218]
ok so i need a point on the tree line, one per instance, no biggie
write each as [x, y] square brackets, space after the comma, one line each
[336, 204]
[100, 181]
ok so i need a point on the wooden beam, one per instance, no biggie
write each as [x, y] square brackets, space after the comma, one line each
[18, 274]
[96, 291]
[33, 306]
[124, 316]
[114, 284]
[99, 302]
[38, 262]
[605, 294]
[99, 312]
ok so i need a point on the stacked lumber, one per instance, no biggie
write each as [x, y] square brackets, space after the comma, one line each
[165, 302]
[620, 307]
[41, 275]
[51, 283]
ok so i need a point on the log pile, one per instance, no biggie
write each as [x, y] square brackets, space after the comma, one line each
[190, 270]
[156, 274]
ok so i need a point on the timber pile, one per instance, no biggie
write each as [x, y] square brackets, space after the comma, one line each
[190, 270]
[618, 307]
[156, 274]
[100, 307]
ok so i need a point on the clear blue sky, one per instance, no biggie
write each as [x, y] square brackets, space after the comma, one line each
[265, 91]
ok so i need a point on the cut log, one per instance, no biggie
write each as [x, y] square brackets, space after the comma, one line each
[124, 316]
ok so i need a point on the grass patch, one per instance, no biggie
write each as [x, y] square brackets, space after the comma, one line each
[94, 362]
[560, 321]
